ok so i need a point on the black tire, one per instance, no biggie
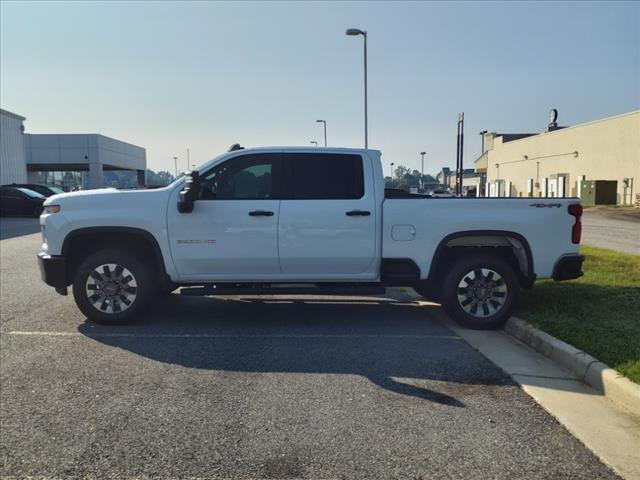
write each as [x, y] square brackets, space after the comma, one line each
[489, 300]
[139, 290]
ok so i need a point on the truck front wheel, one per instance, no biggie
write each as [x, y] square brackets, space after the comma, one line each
[112, 287]
[480, 290]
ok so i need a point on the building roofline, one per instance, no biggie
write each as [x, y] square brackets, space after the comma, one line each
[86, 135]
[579, 125]
[11, 114]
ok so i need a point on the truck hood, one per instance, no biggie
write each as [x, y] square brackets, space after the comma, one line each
[100, 195]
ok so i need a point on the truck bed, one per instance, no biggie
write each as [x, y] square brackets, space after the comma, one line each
[414, 227]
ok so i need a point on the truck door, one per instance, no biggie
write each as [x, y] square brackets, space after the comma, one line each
[232, 231]
[327, 220]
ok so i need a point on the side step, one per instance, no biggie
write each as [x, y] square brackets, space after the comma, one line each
[210, 290]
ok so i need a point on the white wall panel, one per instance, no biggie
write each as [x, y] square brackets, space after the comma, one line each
[13, 164]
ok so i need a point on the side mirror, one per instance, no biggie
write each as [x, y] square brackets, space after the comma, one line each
[189, 193]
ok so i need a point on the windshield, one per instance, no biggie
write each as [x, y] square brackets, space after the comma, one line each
[31, 193]
[56, 189]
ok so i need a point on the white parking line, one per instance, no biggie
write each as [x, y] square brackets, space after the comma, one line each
[213, 335]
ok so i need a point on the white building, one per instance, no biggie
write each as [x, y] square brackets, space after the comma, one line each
[80, 156]
[64, 160]
[13, 164]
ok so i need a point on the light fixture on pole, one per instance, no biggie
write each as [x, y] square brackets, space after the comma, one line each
[314, 142]
[482, 133]
[355, 32]
[422, 154]
[175, 161]
[324, 122]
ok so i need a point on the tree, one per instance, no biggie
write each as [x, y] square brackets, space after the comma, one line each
[160, 178]
[405, 178]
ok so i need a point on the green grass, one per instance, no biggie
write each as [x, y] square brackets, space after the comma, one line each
[598, 313]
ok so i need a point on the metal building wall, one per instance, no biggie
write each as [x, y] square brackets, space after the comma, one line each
[13, 163]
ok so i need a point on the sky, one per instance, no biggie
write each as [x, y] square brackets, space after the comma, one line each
[202, 75]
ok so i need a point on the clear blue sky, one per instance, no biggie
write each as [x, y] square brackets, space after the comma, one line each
[168, 76]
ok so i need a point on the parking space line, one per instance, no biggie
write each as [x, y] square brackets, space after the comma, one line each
[213, 335]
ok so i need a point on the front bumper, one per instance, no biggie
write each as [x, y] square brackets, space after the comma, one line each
[568, 267]
[53, 271]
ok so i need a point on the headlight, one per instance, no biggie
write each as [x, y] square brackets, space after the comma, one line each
[52, 209]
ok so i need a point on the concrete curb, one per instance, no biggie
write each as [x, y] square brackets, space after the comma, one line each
[598, 375]
[590, 370]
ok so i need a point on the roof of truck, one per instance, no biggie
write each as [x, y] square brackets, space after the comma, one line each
[306, 148]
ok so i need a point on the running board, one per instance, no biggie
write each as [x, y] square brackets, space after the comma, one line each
[231, 290]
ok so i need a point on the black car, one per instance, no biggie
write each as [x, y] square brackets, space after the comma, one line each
[19, 201]
[45, 190]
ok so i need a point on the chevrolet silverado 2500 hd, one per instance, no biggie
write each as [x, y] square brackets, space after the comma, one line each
[254, 220]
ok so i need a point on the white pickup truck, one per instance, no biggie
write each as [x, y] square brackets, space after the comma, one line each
[285, 220]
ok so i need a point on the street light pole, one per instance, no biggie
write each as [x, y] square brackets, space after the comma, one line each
[422, 154]
[175, 161]
[188, 160]
[392, 164]
[324, 122]
[355, 32]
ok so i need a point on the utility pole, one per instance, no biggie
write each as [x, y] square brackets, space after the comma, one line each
[188, 162]
[460, 153]
[175, 161]
[422, 171]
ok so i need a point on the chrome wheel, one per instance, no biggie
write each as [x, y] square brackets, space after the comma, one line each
[482, 292]
[111, 288]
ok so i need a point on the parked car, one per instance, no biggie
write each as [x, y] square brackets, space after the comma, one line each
[259, 220]
[442, 193]
[18, 201]
[45, 190]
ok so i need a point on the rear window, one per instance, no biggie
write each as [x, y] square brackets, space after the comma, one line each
[323, 176]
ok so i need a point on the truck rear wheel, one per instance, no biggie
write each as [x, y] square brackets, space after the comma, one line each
[479, 291]
[112, 287]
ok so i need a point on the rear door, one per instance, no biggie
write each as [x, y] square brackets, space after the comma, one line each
[327, 219]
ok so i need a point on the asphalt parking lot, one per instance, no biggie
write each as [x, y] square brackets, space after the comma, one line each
[617, 229]
[288, 387]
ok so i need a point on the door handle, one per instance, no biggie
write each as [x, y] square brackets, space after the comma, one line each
[358, 213]
[261, 213]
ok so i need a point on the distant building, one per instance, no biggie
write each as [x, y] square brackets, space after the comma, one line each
[69, 161]
[470, 179]
[558, 161]
[443, 176]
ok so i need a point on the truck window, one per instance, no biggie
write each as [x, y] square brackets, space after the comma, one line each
[248, 177]
[322, 176]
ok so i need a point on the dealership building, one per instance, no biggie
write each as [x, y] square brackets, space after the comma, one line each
[598, 161]
[69, 161]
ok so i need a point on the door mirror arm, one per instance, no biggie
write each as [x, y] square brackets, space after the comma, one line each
[189, 193]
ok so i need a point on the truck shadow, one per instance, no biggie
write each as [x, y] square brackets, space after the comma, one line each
[396, 345]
